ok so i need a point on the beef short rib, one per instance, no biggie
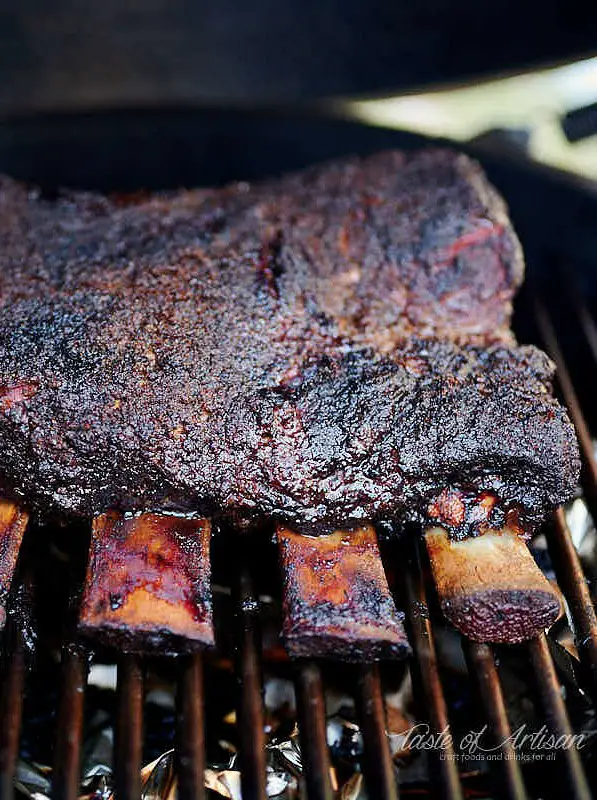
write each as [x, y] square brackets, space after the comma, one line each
[325, 348]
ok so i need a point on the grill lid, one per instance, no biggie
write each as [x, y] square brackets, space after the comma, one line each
[115, 54]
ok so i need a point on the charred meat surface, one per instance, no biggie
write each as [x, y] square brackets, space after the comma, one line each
[13, 522]
[326, 348]
[337, 603]
[148, 583]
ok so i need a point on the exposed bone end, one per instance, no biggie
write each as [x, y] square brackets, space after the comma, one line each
[490, 587]
[337, 603]
[148, 587]
[13, 522]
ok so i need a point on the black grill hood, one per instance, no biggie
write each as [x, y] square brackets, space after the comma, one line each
[69, 55]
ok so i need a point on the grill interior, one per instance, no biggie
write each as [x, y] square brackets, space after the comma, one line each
[555, 315]
[241, 641]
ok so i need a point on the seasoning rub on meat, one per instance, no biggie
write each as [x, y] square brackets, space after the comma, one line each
[327, 349]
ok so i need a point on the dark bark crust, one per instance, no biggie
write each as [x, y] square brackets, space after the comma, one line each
[326, 348]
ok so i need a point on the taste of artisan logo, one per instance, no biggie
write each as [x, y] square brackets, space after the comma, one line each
[522, 743]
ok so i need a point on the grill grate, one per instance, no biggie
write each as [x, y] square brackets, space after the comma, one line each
[69, 729]
[311, 710]
[252, 742]
[426, 675]
[190, 730]
[482, 668]
[573, 778]
[379, 772]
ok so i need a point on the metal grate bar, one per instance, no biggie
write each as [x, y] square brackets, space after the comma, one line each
[585, 440]
[128, 735]
[312, 731]
[11, 710]
[572, 581]
[574, 782]
[250, 712]
[190, 732]
[377, 763]
[585, 319]
[426, 678]
[483, 671]
[69, 726]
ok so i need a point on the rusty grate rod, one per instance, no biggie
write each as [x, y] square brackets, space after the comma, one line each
[584, 316]
[190, 731]
[378, 768]
[11, 709]
[312, 731]
[574, 782]
[573, 583]
[585, 440]
[128, 737]
[250, 709]
[482, 669]
[426, 678]
[69, 725]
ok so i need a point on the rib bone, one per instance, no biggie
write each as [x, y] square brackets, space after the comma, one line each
[148, 583]
[337, 603]
[13, 522]
[490, 587]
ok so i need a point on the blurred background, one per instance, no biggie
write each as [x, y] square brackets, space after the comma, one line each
[127, 95]
[508, 74]
[549, 114]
